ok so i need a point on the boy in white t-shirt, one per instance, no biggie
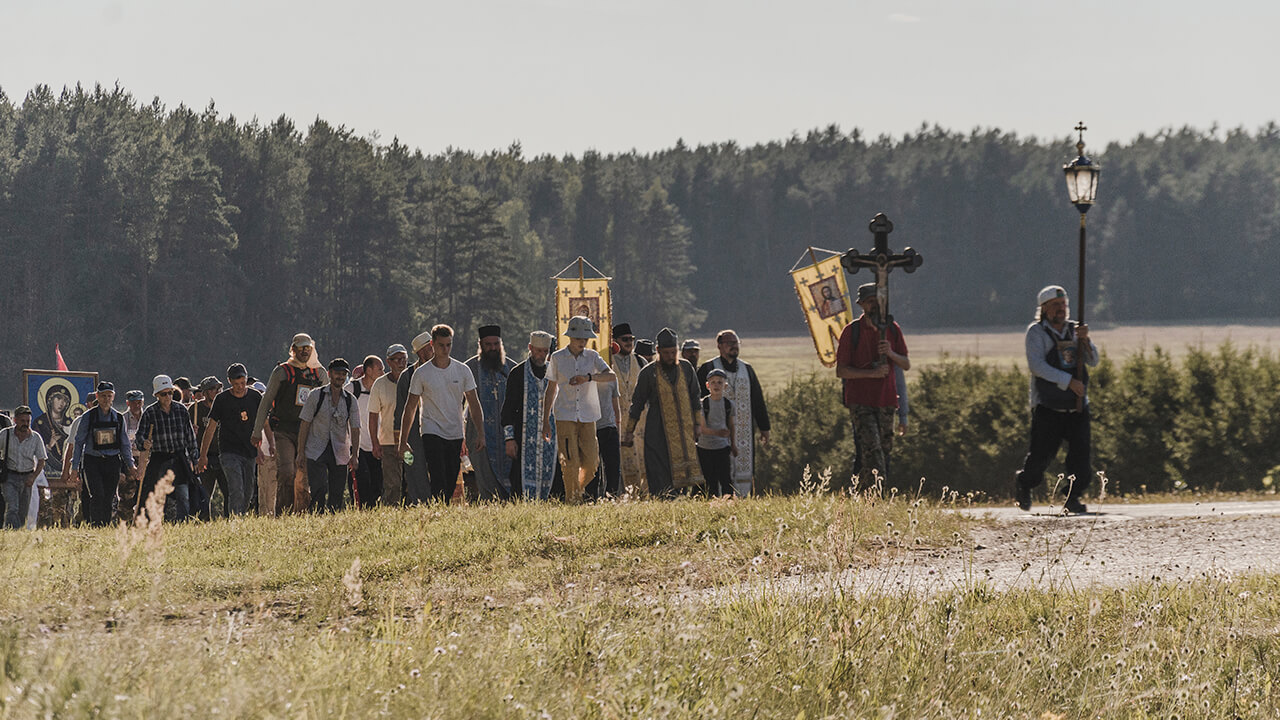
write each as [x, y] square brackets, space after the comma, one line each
[437, 390]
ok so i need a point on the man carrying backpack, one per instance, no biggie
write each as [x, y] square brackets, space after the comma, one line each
[329, 438]
[287, 389]
[865, 358]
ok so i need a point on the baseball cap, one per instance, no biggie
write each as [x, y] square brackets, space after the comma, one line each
[236, 371]
[1050, 292]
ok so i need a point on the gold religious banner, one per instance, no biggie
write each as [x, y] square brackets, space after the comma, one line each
[581, 289]
[824, 297]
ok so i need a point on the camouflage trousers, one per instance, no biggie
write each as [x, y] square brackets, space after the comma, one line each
[873, 435]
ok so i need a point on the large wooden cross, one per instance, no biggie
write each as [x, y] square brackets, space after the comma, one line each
[881, 260]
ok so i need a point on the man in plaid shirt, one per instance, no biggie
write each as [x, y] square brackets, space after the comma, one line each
[165, 433]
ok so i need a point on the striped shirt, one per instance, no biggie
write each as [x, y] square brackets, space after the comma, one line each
[170, 432]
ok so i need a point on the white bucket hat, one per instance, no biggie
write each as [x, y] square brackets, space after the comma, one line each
[160, 383]
[580, 327]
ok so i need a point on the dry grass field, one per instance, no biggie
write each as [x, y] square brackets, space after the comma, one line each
[777, 359]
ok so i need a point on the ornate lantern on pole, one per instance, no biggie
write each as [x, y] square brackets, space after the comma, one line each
[1082, 188]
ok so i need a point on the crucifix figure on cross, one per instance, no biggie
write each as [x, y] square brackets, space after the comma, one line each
[881, 260]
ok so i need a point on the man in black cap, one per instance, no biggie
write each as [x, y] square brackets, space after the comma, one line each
[102, 450]
[211, 476]
[864, 361]
[490, 367]
[669, 390]
[231, 420]
[626, 365]
[329, 439]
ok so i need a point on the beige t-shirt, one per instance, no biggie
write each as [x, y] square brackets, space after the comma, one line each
[382, 400]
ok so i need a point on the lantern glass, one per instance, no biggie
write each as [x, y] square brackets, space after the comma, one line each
[1082, 181]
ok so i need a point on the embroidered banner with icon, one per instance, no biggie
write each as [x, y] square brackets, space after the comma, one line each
[581, 289]
[824, 297]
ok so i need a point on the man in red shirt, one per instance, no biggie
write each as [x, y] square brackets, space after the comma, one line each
[870, 392]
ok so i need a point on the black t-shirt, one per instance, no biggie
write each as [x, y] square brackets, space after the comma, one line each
[235, 421]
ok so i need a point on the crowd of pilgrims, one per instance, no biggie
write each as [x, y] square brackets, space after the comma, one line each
[415, 425]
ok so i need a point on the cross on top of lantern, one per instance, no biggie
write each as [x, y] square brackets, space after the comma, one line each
[1082, 176]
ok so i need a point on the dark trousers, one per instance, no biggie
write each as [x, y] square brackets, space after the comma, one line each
[101, 476]
[610, 465]
[717, 469]
[176, 507]
[327, 481]
[212, 477]
[368, 481]
[1048, 429]
[444, 461]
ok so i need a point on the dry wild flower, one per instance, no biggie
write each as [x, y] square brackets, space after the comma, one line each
[355, 587]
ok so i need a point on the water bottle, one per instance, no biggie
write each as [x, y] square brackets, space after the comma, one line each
[408, 457]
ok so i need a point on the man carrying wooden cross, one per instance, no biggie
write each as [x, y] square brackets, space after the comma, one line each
[863, 359]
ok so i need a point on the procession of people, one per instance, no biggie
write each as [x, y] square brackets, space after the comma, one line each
[560, 423]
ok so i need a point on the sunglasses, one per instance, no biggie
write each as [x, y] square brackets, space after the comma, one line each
[164, 393]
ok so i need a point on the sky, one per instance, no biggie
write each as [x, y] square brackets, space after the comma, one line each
[565, 76]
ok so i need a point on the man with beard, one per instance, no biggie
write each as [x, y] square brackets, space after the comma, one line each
[534, 470]
[570, 392]
[863, 361]
[127, 491]
[416, 489]
[626, 365]
[749, 411]
[691, 350]
[490, 367]
[383, 423]
[101, 449]
[287, 389]
[1059, 399]
[669, 390]
[368, 475]
[166, 435]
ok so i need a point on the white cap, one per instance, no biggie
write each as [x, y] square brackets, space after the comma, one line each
[580, 327]
[1050, 292]
[540, 340]
[160, 383]
[422, 341]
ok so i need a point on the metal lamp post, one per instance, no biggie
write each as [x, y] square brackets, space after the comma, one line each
[1082, 187]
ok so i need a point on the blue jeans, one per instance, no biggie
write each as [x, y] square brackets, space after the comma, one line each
[239, 471]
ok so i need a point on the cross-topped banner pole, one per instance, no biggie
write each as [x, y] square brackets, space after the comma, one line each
[882, 260]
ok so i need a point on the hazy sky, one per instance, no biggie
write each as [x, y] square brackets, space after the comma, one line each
[563, 76]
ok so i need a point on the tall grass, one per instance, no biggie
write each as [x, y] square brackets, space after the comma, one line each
[686, 609]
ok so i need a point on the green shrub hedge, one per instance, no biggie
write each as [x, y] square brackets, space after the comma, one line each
[1210, 420]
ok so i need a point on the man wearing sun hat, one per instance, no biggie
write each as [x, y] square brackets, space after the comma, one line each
[166, 435]
[1059, 399]
[576, 402]
[287, 389]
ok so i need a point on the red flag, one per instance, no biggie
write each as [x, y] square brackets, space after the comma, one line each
[57, 354]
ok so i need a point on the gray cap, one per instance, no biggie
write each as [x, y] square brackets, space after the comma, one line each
[396, 350]
[866, 291]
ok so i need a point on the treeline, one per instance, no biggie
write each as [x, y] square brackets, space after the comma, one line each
[145, 238]
[1210, 421]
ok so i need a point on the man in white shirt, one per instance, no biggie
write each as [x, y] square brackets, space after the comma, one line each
[571, 393]
[382, 426]
[24, 457]
[439, 388]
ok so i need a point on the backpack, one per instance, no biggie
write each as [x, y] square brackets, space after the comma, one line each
[346, 396]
